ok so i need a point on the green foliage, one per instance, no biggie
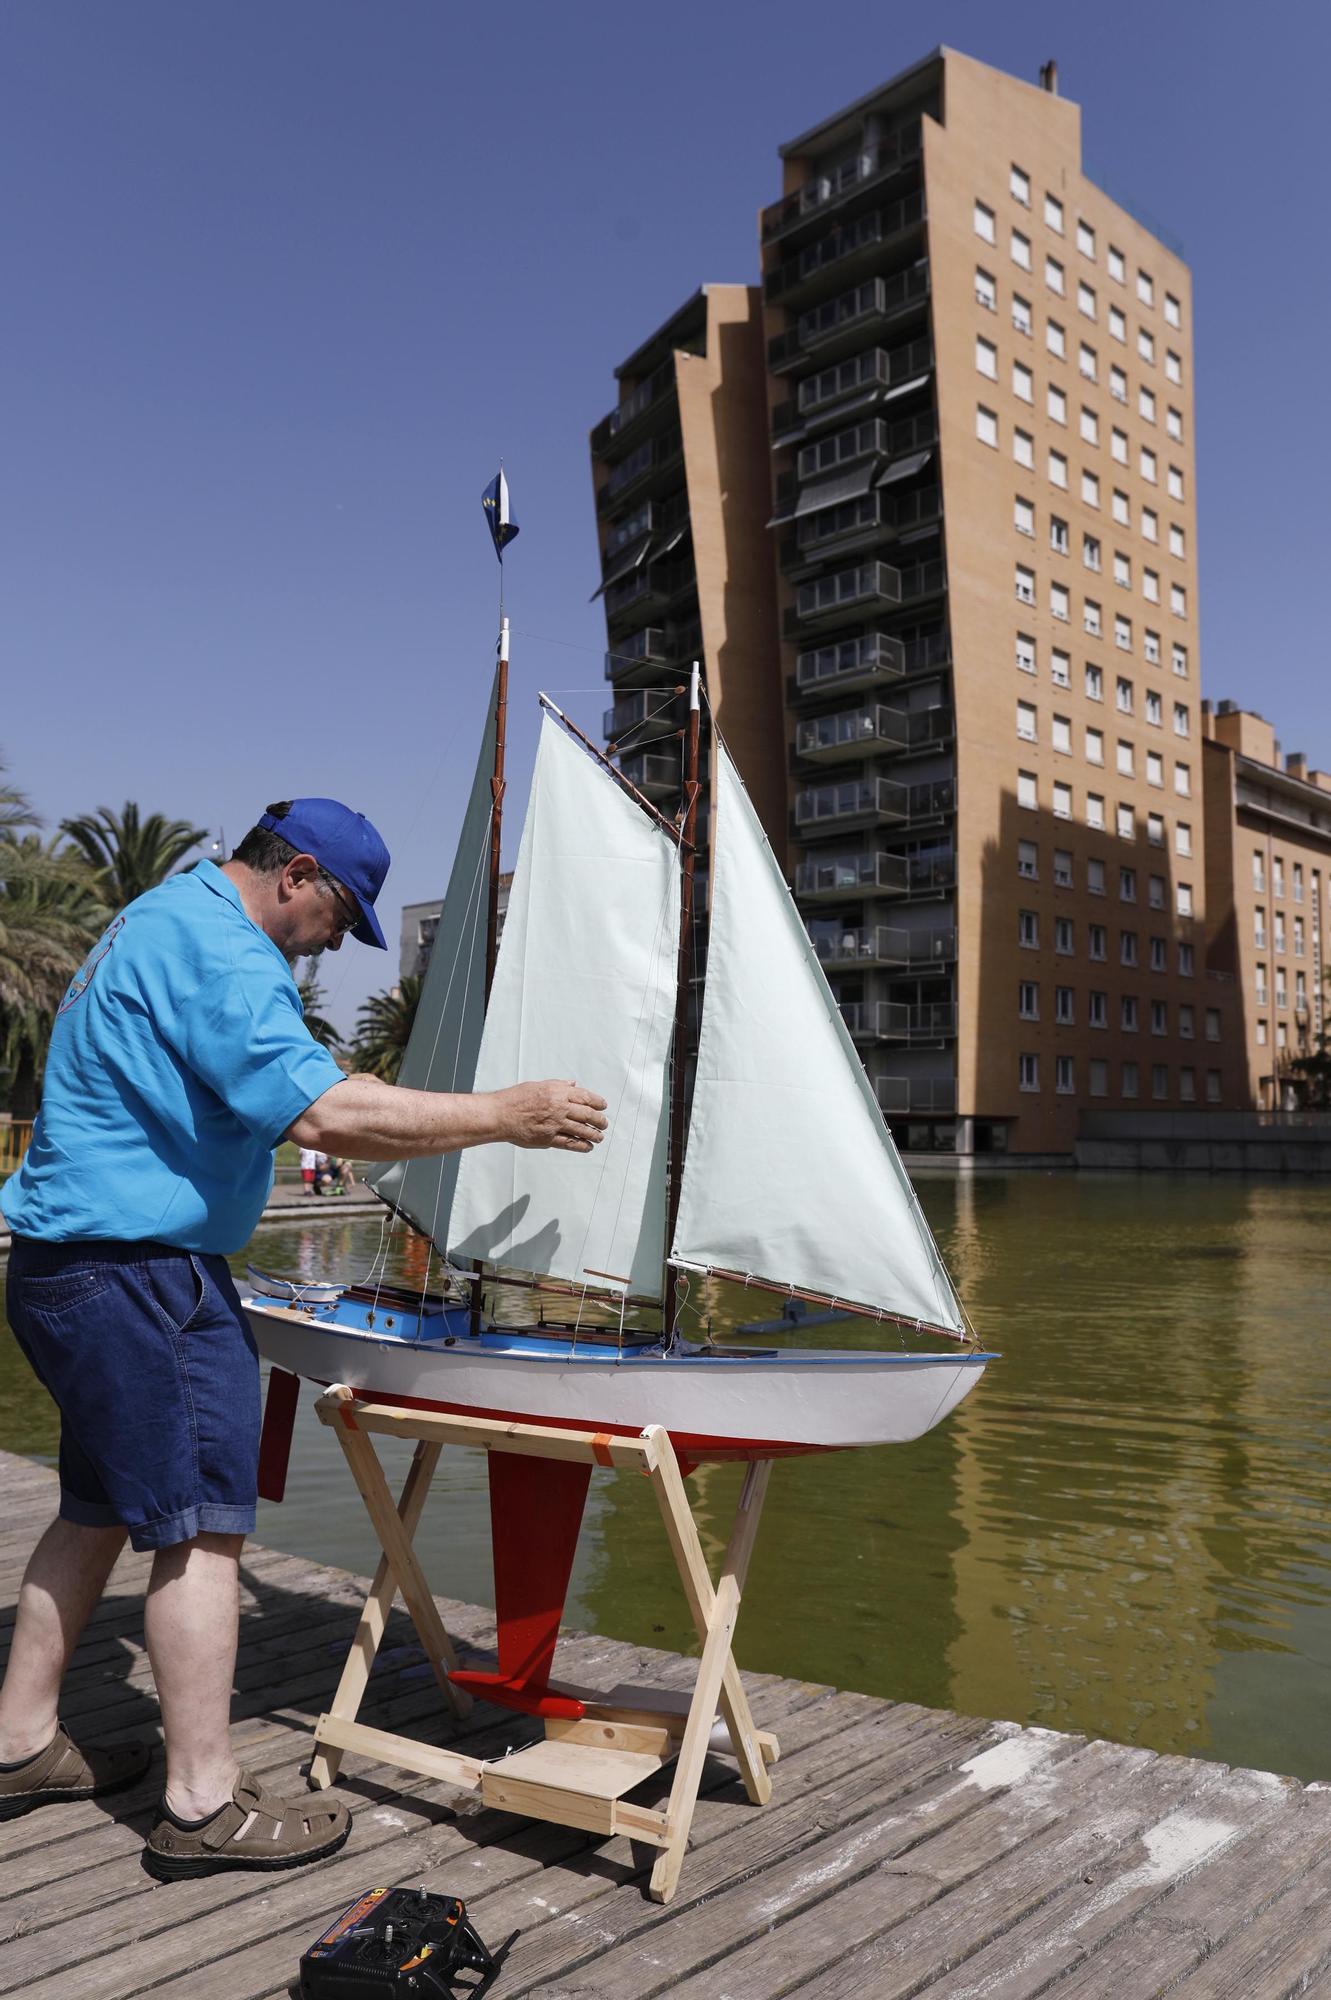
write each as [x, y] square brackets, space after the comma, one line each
[131, 855]
[382, 1028]
[312, 999]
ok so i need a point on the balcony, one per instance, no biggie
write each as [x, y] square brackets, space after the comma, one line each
[653, 587]
[826, 809]
[932, 1021]
[639, 718]
[935, 799]
[651, 458]
[909, 1095]
[862, 170]
[851, 317]
[855, 732]
[878, 945]
[872, 234]
[843, 877]
[853, 663]
[620, 423]
[643, 651]
[876, 1020]
[865, 587]
[930, 875]
[656, 775]
[931, 947]
[871, 517]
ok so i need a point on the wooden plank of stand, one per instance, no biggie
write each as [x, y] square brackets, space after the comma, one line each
[450, 1767]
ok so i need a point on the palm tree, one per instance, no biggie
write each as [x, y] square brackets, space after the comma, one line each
[312, 1000]
[50, 914]
[132, 855]
[382, 1027]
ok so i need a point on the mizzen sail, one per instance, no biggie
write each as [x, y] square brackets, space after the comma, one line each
[585, 989]
[790, 1175]
[446, 1034]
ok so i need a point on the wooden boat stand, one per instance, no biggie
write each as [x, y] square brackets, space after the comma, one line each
[596, 1747]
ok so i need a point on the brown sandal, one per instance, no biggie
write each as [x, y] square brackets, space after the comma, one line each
[62, 1771]
[255, 1829]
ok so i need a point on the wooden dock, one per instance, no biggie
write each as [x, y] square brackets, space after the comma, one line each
[904, 1851]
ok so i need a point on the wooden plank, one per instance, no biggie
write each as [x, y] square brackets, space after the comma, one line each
[447, 1767]
[483, 1433]
[1274, 1955]
[596, 1772]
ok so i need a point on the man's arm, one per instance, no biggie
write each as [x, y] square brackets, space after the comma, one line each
[364, 1119]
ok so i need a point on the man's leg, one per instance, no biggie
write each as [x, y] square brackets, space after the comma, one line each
[66, 1575]
[192, 1620]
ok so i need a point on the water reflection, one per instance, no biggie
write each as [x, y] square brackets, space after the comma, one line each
[1125, 1530]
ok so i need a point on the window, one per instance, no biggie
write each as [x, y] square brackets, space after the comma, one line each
[1151, 649]
[1122, 632]
[1118, 325]
[1182, 719]
[1146, 465]
[1023, 382]
[1097, 941]
[1183, 899]
[986, 357]
[1085, 238]
[1062, 868]
[1145, 288]
[1177, 545]
[1127, 947]
[1213, 1086]
[1086, 362]
[1123, 696]
[1062, 801]
[1127, 1013]
[1063, 1006]
[1023, 516]
[1173, 366]
[1127, 885]
[1155, 829]
[1064, 1081]
[1280, 930]
[1053, 276]
[1026, 789]
[1025, 584]
[1058, 601]
[1173, 310]
[1090, 617]
[1159, 1080]
[1151, 585]
[1057, 404]
[1187, 1084]
[1055, 340]
[1058, 535]
[1028, 930]
[1159, 1018]
[1187, 1023]
[1089, 425]
[1298, 881]
[986, 425]
[1028, 1000]
[1028, 860]
[1145, 344]
[1146, 405]
[1118, 385]
[1053, 213]
[1129, 1084]
[1150, 524]
[1095, 746]
[1120, 509]
[1095, 876]
[1023, 449]
[1155, 893]
[1099, 1077]
[1117, 267]
[1090, 546]
[1028, 1072]
[1185, 960]
[1299, 940]
[1095, 812]
[1019, 185]
[1277, 876]
[1063, 936]
[1026, 652]
[1123, 763]
[1097, 1010]
[1126, 823]
[1179, 657]
[1090, 493]
[1122, 569]
[1021, 313]
[1155, 763]
[1085, 300]
[1259, 983]
[1021, 250]
[984, 223]
[1060, 668]
[1174, 424]
[1095, 684]
[1118, 445]
[1258, 872]
[1153, 711]
[1259, 929]
[1174, 482]
[1178, 600]
[1026, 721]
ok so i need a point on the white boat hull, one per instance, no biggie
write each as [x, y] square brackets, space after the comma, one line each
[715, 1406]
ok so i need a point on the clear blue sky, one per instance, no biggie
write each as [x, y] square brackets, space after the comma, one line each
[282, 282]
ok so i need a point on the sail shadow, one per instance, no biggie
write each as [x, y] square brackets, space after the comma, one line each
[495, 1241]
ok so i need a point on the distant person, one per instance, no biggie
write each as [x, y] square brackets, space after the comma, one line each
[179, 1059]
[309, 1162]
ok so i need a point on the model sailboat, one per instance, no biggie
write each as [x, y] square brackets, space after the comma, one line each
[786, 1177]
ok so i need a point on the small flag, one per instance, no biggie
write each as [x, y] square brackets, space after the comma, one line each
[495, 502]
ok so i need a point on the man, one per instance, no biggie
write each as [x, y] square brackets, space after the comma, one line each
[178, 1060]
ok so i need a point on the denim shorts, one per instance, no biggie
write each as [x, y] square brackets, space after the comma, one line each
[148, 1356]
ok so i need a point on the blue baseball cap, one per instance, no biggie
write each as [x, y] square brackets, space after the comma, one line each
[343, 842]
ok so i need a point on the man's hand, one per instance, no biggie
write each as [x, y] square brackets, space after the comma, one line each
[562, 1115]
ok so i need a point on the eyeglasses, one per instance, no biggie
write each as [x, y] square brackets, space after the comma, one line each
[351, 915]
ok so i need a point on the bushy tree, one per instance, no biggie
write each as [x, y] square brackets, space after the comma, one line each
[131, 854]
[383, 1025]
[311, 993]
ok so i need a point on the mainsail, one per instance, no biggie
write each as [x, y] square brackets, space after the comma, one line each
[790, 1175]
[446, 1034]
[585, 989]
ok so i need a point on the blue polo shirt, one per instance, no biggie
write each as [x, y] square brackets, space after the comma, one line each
[178, 1059]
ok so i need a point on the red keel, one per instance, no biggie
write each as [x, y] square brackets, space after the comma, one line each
[279, 1421]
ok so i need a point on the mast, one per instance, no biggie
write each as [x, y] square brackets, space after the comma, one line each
[497, 812]
[674, 1283]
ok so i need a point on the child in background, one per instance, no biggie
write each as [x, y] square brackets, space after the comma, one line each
[309, 1160]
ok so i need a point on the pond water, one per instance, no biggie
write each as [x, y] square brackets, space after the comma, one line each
[1125, 1530]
